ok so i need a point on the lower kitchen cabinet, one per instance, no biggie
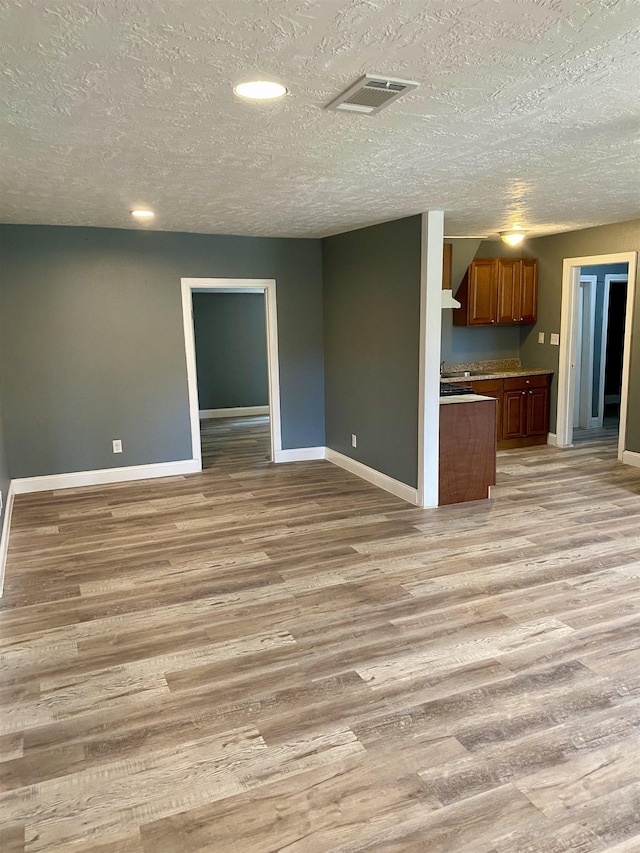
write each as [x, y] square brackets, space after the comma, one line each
[523, 408]
[514, 421]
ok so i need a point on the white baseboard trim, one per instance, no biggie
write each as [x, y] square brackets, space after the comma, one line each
[239, 412]
[25, 485]
[300, 454]
[630, 457]
[400, 490]
[4, 537]
[552, 439]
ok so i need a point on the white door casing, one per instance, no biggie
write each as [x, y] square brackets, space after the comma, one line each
[233, 285]
[568, 342]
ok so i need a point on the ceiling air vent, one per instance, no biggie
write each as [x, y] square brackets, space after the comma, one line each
[371, 94]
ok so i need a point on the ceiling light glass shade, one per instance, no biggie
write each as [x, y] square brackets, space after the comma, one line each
[513, 237]
[143, 214]
[260, 90]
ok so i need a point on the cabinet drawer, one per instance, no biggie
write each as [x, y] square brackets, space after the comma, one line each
[522, 383]
[487, 386]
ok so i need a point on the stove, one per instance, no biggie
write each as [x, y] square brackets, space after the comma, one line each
[452, 389]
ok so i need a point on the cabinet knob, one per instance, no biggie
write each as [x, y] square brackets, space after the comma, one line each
[527, 381]
[524, 392]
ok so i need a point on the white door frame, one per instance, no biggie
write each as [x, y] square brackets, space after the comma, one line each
[232, 285]
[585, 353]
[568, 344]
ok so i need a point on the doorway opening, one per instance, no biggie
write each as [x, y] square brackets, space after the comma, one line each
[256, 427]
[233, 382]
[595, 345]
[602, 306]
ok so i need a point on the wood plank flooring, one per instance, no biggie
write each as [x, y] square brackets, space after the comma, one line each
[267, 658]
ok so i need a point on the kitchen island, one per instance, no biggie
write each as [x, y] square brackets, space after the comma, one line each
[467, 448]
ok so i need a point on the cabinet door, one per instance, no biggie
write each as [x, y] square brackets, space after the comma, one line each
[482, 292]
[537, 411]
[529, 291]
[509, 287]
[447, 266]
[514, 414]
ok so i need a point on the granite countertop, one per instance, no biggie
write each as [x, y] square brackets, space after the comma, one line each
[465, 398]
[496, 369]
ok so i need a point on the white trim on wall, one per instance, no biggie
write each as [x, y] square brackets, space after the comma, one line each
[237, 412]
[300, 454]
[48, 482]
[552, 439]
[630, 457]
[4, 536]
[377, 478]
[429, 355]
[232, 285]
[568, 344]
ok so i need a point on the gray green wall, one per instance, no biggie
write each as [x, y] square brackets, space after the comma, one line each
[551, 251]
[371, 336]
[231, 350]
[4, 467]
[92, 347]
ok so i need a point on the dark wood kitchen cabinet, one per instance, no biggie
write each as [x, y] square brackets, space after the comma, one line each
[508, 299]
[498, 291]
[481, 294]
[514, 422]
[529, 291]
[523, 408]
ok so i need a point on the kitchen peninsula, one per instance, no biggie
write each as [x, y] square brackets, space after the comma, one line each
[467, 448]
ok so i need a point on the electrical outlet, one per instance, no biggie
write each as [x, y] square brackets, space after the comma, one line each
[354, 440]
[117, 445]
[554, 340]
[540, 337]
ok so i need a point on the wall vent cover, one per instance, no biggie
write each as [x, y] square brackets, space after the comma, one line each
[371, 93]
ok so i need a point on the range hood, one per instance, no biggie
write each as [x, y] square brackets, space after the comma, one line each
[448, 301]
[447, 269]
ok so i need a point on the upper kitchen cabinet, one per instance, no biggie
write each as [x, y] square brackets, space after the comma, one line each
[498, 291]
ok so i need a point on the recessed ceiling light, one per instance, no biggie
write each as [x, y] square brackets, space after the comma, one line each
[260, 90]
[143, 214]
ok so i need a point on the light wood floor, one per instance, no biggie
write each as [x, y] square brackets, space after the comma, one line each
[284, 658]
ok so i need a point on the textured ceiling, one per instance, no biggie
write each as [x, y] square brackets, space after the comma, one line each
[527, 111]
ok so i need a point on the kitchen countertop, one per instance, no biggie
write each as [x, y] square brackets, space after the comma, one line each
[498, 369]
[464, 398]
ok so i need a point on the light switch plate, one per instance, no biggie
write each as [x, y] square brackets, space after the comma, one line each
[554, 340]
[540, 337]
